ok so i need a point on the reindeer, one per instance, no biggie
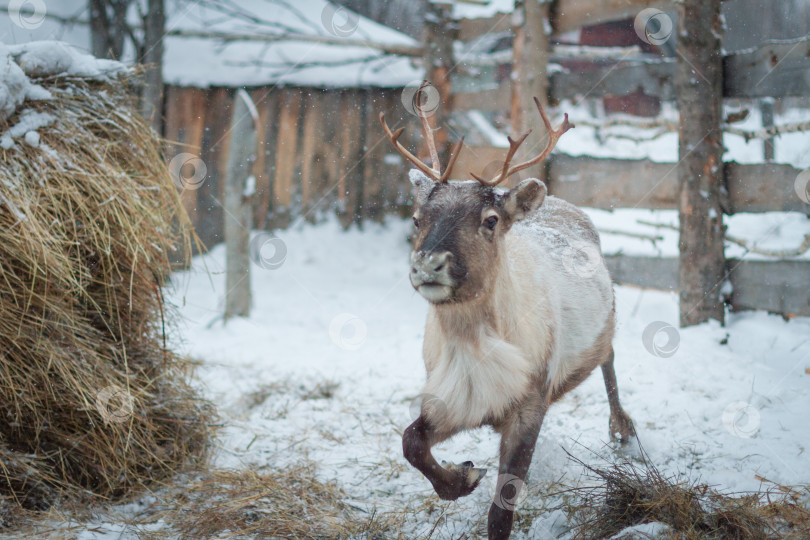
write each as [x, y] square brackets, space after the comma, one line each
[512, 326]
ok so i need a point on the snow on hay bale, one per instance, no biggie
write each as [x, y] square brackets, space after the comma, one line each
[90, 399]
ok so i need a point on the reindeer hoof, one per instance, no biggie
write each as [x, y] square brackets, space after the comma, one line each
[621, 429]
[466, 479]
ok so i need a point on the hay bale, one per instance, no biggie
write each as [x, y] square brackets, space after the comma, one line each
[91, 400]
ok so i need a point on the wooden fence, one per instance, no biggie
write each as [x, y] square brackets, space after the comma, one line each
[318, 150]
[324, 150]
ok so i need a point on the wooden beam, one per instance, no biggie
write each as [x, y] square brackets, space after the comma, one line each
[777, 286]
[771, 70]
[648, 272]
[629, 183]
[567, 15]
[613, 183]
[762, 187]
[699, 92]
[572, 14]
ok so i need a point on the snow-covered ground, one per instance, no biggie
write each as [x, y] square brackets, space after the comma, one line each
[336, 316]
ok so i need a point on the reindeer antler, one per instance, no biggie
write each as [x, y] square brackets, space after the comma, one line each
[553, 137]
[432, 172]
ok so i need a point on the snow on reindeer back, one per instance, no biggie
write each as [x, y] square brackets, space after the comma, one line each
[19, 64]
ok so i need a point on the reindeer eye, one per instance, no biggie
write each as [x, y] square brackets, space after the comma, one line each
[490, 222]
[415, 222]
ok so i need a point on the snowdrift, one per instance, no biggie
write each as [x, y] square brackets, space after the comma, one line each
[92, 403]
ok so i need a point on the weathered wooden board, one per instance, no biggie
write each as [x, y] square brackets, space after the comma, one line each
[626, 183]
[352, 138]
[214, 154]
[184, 132]
[648, 272]
[762, 188]
[567, 15]
[775, 286]
[773, 70]
[375, 149]
[599, 78]
[269, 113]
[286, 150]
[311, 157]
[613, 183]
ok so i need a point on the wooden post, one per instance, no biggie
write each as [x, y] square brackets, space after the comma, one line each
[440, 32]
[152, 58]
[698, 85]
[766, 110]
[530, 79]
[238, 209]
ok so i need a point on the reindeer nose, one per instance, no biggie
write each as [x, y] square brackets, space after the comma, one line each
[429, 265]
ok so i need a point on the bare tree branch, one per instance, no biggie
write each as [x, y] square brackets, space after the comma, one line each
[777, 253]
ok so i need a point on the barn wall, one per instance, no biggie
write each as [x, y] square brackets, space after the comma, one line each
[318, 151]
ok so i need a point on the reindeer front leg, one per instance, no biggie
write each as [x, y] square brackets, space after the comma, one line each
[450, 481]
[519, 435]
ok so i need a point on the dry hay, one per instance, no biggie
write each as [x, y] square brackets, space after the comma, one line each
[91, 400]
[289, 503]
[631, 493]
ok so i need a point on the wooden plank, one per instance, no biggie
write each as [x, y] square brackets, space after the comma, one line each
[568, 15]
[649, 272]
[775, 286]
[491, 100]
[269, 112]
[627, 183]
[330, 148]
[469, 29]
[763, 187]
[351, 151]
[773, 70]
[776, 70]
[184, 126]
[613, 77]
[310, 155]
[613, 183]
[214, 151]
[286, 152]
[572, 14]
[376, 148]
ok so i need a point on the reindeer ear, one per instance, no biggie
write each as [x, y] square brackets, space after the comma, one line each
[523, 199]
[422, 183]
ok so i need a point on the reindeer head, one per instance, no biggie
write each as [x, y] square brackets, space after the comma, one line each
[460, 225]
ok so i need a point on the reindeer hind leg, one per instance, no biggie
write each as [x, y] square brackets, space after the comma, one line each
[621, 426]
